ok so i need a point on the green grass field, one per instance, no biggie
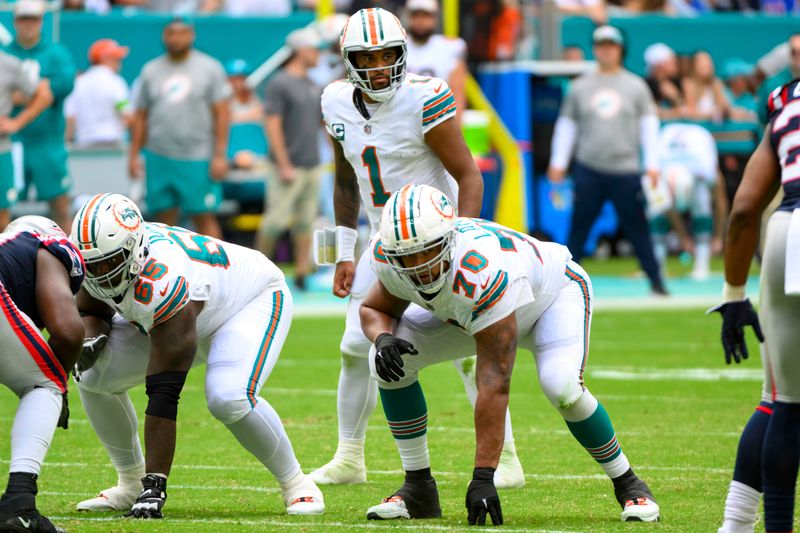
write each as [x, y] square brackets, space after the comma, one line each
[678, 427]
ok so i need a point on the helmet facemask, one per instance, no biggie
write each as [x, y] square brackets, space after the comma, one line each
[109, 275]
[360, 76]
[430, 276]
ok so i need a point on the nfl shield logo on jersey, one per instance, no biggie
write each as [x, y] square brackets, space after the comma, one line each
[367, 128]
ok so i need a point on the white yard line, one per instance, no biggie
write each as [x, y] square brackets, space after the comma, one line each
[310, 523]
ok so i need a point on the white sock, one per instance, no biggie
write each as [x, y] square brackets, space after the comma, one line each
[741, 508]
[261, 433]
[414, 453]
[350, 451]
[113, 419]
[702, 254]
[356, 399]
[466, 371]
[32, 432]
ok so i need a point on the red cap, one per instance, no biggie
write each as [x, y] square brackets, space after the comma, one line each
[104, 48]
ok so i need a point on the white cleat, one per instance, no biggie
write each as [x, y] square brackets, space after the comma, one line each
[640, 510]
[304, 497]
[509, 474]
[340, 472]
[113, 499]
[389, 509]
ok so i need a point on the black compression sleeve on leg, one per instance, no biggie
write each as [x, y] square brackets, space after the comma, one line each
[163, 392]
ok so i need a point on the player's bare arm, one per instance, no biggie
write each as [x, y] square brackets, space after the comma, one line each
[759, 185]
[448, 144]
[56, 305]
[138, 137]
[497, 348]
[222, 122]
[380, 311]
[172, 348]
[345, 208]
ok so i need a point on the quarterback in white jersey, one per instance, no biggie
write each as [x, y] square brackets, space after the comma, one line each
[388, 129]
[482, 287]
[158, 300]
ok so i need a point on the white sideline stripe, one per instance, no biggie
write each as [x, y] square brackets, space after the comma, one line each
[676, 374]
[310, 524]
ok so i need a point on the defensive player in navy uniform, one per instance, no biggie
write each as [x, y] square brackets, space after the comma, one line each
[768, 453]
[480, 287]
[40, 271]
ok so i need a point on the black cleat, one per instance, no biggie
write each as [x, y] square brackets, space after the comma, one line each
[635, 498]
[27, 521]
[415, 499]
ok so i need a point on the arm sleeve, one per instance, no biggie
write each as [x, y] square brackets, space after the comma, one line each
[439, 104]
[648, 133]
[141, 92]
[26, 76]
[69, 106]
[220, 89]
[564, 136]
[775, 60]
[122, 97]
[62, 76]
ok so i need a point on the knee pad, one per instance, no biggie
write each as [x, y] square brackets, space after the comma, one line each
[163, 392]
[229, 405]
[354, 344]
[560, 386]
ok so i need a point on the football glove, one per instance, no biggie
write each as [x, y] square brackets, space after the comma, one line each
[63, 418]
[482, 498]
[92, 347]
[389, 356]
[152, 498]
[735, 316]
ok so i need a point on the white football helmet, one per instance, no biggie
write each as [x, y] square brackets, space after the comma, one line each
[371, 30]
[36, 224]
[419, 219]
[109, 233]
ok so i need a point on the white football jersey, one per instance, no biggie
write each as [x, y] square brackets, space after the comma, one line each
[692, 146]
[437, 57]
[182, 266]
[388, 150]
[496, 271]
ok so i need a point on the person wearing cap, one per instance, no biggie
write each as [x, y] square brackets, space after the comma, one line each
[608, 117]
[664, 80]
[433, 54]
[98, 110]
[293, 119]
[45, 152]
[182, 121]
[246, 106]
[735, 74]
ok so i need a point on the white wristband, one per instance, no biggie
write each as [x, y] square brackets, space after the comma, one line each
[345, 244]
[731, 293]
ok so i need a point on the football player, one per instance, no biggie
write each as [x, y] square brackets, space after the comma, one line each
[158, 300]
[768, 455]
[388, 129]
[480, 287]
[40, 271]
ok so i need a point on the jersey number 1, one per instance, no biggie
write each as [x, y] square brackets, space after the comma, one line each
[369, 158]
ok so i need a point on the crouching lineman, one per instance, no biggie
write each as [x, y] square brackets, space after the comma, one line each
[40, 271]
[456, 286]
[189, 293]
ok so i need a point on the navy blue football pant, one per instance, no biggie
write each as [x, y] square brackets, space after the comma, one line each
[592, 189]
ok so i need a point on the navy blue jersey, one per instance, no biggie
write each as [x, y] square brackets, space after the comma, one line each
[783, 112]
[18, 267]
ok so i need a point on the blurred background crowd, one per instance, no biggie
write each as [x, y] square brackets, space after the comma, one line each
[208, 110]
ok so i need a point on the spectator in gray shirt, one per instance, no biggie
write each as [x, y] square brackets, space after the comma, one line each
[294, 117]
[609, 115]
[182, 119]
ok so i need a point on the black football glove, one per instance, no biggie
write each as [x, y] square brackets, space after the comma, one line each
[482, 498]
[63, 418]
[735, 316]
[92, 347]
[152, 498]
[389, 356]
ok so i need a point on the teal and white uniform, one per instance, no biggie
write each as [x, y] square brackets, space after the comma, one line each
[247, 310]
[45, 157]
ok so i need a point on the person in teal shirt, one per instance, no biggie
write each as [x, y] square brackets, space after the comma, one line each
[45, 153]
[736, 74]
